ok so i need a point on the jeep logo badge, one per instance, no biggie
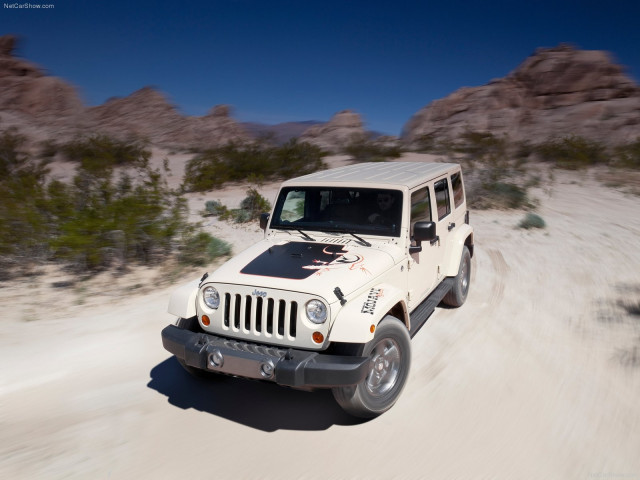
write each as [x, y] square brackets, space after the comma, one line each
[258, 293]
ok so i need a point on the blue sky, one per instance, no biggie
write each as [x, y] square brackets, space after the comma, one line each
[277, 60]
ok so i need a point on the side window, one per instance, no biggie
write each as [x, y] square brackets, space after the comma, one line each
[441, 189]
[420, 207]
[458, 191]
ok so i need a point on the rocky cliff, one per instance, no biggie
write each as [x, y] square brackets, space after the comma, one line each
[555, 92]
[43, 106]
[341, 130]
[27, 94]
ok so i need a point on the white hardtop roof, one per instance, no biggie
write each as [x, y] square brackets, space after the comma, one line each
[409, 174]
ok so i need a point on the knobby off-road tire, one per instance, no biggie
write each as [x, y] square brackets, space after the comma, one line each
[389, 361]
[192, 325]
[458, 293]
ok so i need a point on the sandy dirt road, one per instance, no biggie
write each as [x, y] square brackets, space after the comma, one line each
[537, 376]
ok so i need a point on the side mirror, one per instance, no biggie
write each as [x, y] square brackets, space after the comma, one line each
[264, 220]
[423, 232]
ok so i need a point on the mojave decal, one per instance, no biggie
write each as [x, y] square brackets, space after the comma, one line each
[299, 260]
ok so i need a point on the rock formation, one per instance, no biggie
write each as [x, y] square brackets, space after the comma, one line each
[27, 92]
[216, 128]
[341, 130]
[43, 106]
[555, 92]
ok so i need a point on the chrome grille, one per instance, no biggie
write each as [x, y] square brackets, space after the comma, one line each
[258, 316]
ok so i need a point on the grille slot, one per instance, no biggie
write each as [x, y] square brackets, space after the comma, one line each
[260, 317]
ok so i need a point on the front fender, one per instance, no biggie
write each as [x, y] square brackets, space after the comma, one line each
[354, 321]
[182, 302]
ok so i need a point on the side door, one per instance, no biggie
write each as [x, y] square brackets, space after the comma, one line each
[443, 217]
[423, 266]
[458, 199]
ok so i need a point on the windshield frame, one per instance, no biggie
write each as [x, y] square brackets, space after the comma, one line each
[361, 198]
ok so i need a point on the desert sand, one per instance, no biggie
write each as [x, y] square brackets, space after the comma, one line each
[536, 376]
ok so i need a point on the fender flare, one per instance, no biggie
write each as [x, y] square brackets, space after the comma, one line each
[354, 320]
[182, 302]
[456, 244]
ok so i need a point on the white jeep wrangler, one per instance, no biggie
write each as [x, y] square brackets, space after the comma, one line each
[353, 262]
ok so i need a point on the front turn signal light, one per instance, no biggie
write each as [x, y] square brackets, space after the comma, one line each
[317, 337]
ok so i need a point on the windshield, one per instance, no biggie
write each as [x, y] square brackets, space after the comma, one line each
[338, 209]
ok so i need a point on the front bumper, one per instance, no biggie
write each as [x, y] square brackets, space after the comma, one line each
[293, 368]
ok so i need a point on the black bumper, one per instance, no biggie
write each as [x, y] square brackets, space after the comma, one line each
[293, 368]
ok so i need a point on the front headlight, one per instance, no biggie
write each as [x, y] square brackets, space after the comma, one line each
[316, 311]
[211, 297]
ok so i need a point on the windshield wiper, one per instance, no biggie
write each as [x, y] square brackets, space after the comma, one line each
[305, 235]
[288, 227]
[360, 239]
[344, 230]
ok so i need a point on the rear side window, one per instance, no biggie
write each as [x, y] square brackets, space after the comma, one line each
[441, 189]
[458, 191]
[420, 207]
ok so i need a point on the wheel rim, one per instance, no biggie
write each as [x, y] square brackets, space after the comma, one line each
[464, 276]
[384, 367]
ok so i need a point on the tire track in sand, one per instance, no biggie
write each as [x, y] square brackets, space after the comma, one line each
[501, 269]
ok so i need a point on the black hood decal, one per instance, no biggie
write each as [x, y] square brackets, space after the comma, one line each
[300, 260]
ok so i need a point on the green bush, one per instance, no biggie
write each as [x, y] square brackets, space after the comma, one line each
[531, 220]
[363, 150]
[215, 208]
[91, 223]
[114, 221]
[481, 145]
[100, 153]
[572, 153]
[218, 248]
[201, 248]
[254, 204]
[250, 208]
[628, 156]
[23, 220]
[213, 168]
[502, 195]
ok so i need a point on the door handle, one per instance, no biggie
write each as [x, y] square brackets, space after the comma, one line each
[451, 226]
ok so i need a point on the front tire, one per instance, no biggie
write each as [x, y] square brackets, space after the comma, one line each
[389, 361]
[458, 293]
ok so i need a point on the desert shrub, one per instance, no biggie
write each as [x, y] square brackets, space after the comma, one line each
[531, 220]
[214, 207]
[99, 153]
[426, 143]
[218, 248]
[572, 152]
[250, 208]
[254, 204]
[93, 222]
[201, 248]
[502, 195]
[523, 149]
[213, 168]
[114, 221]
[48, 148]
[364, 150]
[628, 156]
[481, 145]
[23, 223]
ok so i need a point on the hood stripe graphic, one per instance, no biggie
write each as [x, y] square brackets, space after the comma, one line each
[300, 260]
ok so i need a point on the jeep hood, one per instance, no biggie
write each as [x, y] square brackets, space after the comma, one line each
[309, 267]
